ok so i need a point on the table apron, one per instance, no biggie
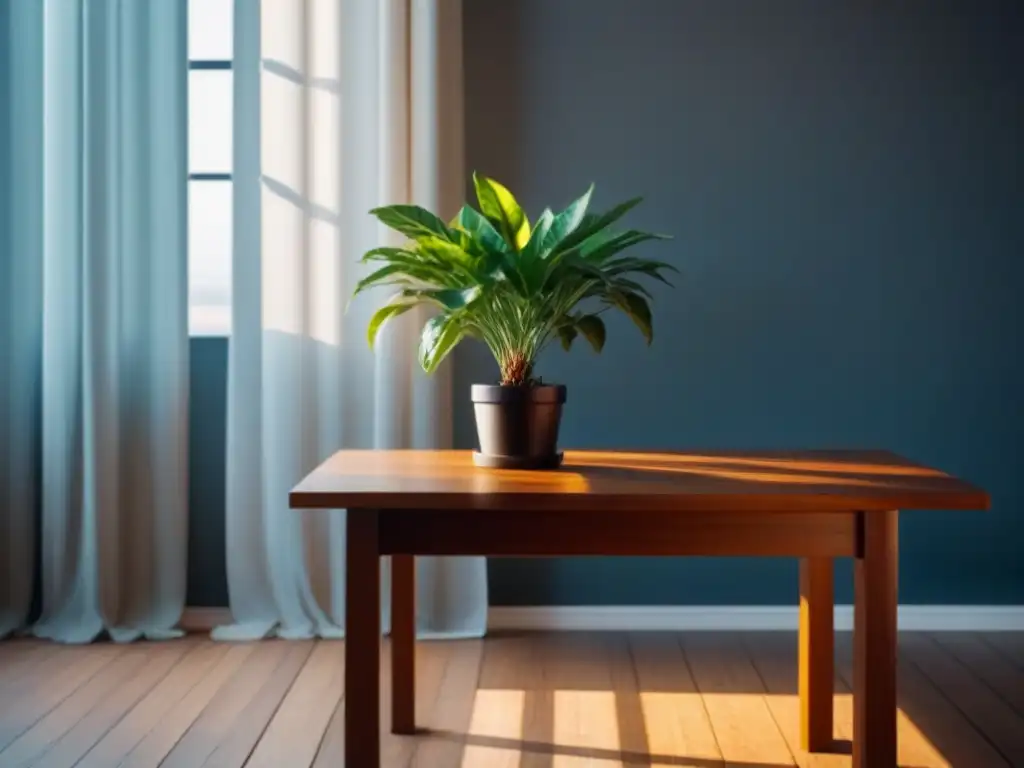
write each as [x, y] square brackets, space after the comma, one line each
[558, 533]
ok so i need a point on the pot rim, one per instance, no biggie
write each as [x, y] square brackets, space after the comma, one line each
[500, 393]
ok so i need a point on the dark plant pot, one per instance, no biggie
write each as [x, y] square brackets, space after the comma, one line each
[518, 426]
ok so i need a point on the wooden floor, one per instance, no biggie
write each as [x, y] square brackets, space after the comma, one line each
[514, 701]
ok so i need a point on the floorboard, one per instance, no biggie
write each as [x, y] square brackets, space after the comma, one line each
[514, 700]
[294, 734]
[45, 688]
[774, 656]
[153, 747]
[215, 725]
[1010, 645]
[120, 701]
[34, 742]
[926, 714]
[734, 696]
[146, 716]
[20, 659]
[992, 716]
[1001, 675]
[452, 711]
[674, 713]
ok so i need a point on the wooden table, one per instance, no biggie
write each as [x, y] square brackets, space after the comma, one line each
[813, 505]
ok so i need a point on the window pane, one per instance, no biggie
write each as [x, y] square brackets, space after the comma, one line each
[209, 121]
[209, 254]
[210, 34]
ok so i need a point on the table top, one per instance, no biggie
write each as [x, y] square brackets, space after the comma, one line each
[637, 481]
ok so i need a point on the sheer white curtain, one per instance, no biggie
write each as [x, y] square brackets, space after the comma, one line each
[340, 106]
[97, 333]
[21, 296]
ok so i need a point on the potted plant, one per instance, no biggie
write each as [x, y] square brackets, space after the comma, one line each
[492, 276]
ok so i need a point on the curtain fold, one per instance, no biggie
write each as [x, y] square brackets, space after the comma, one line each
[340, 106]
[21, 296]
[97, 276]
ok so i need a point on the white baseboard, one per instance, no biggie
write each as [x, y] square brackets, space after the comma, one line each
[925, 618]
[931, 618]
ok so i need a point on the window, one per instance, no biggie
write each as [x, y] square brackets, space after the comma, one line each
[210, 53]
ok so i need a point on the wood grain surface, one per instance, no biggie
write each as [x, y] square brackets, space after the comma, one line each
[643, 481]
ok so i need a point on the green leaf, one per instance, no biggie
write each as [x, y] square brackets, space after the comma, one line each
[416, 266]
[592, 328]
[440, 335]
[594, 223]
[411, 220]
[608, 218]
[378, 275]
[595, 250]
[531, 259]
[463, 266]
[637, 309]
[566, 335]
[481, 230]
[569, 266]
[385, 254]
[501, 208]
[465, 240]
[647, 267]
[595, 242]
[393, 309]
[541, 227]
[449, 299]
[514, 296]
[634, 263]
[493, 243]
[568, 220]
[623, 283]
[444, 251]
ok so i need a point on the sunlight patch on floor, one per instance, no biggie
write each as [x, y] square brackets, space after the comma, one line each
[676, 727]
[585, 719]
[915, 749]
[499, 714]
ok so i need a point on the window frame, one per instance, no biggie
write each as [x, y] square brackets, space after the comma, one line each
[207, 328]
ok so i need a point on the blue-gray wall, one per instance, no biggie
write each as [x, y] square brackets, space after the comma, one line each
[207, 575]
[845, 183]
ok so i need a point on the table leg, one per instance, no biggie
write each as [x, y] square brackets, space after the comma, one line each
[362, 640]
[874, 641]
[816, 653]
[403, 644]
